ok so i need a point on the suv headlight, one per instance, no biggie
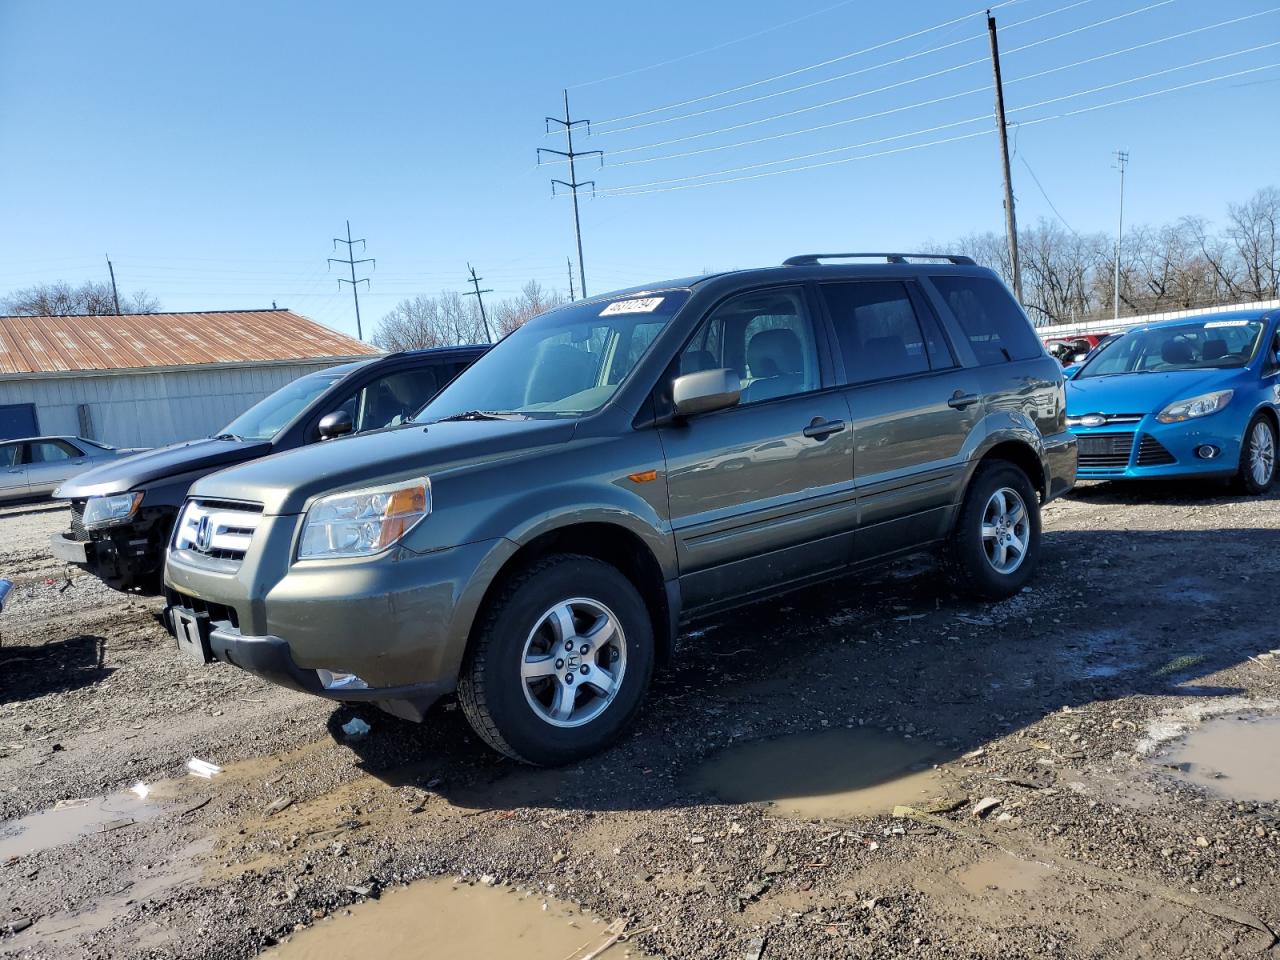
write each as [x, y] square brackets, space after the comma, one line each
[109, 511]
[363, 522]
[1193, 407]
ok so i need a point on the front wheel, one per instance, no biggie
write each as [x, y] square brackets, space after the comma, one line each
[1257, 456]
[560, 662]
[996, 542]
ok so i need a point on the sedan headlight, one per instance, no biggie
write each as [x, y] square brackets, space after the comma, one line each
[1193, 407]
[109, 511]
[363, 522]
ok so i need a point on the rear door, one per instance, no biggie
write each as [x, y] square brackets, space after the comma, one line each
[13, 471]
[49, 462]
[1017, 379]
[761, 493]
[913, 408]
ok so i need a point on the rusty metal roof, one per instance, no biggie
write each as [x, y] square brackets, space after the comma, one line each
[34, 345]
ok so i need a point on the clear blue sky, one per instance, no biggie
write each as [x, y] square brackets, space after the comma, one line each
[215, 149]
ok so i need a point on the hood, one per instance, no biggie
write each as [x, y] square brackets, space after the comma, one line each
[133, 470]
[283, 483]
[1142, 392]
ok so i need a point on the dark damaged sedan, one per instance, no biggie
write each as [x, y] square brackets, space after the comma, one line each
[122, 513]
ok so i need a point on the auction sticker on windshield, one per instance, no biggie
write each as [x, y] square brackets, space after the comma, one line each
[1213, 324]
[643, 305]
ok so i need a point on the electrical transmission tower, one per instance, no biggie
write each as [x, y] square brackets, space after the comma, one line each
[572, 184]
[351, 262]
[479, 295]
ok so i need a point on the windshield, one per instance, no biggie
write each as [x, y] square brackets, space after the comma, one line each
[1207, 344]
[565, 363]
[272, 414]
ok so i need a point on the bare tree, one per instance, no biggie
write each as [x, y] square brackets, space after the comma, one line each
[60, 299]
[1253, 227]
[450, 318]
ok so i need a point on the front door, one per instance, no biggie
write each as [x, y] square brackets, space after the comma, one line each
[49, 462]
[13, 472]
[761, 493]
[913, 410]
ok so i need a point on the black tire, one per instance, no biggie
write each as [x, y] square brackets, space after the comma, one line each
[973, 571]
[1245, 481]
[493, 692]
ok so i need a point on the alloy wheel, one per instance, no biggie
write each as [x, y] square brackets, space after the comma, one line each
[1006, 530]
[1262, 453]
[573, 663]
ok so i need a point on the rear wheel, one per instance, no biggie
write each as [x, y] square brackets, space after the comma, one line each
[1257, 469]
[995, 546]
[561, 662]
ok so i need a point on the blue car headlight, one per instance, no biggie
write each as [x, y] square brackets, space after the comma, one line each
[1193, 407]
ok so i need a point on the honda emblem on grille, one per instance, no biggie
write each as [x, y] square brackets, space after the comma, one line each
[204, 534]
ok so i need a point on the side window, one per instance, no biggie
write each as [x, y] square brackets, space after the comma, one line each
[991, 319]
[11, 456]
[49, 451]
[877, 328]
[766, 337]
[392, 399]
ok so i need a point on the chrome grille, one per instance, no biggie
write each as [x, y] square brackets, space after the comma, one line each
[217, 529]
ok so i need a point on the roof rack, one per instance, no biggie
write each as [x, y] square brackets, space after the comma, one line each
[812, 259]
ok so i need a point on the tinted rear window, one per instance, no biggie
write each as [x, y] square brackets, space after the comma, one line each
[990, 318]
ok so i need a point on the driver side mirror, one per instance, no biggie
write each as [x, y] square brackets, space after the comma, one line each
[705, 391]
[336, 424]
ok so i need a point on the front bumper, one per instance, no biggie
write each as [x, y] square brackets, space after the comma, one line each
[398, 621]
[123, 557]
[1150, 449]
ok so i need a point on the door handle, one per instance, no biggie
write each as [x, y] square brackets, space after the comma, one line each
[960, 400]
[821, 429]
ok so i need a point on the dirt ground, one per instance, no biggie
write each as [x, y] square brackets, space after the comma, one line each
[1050, 812]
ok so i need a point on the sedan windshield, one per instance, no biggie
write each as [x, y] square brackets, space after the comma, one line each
[1205, 344]
[272, 414]
[565, 363]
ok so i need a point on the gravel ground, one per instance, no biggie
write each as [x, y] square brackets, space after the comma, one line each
[1153, 609]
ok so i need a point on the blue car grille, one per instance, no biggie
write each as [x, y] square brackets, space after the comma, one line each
[1151, 453]
[1104, 449]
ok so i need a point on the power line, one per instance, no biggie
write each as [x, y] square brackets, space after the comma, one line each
[1044, 194]
[814, 66]
[714, 48]
[351, 262]
[910, 106]
[568, 123]
[634, 192]
[1041, 103]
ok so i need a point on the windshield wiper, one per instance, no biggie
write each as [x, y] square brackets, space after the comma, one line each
[226, 436]
[482, 415]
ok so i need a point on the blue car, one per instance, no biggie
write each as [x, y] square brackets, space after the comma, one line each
[1182, 398]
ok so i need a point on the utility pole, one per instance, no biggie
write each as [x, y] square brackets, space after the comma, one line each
[1122, 161]
[1010, 218]
[569, 263]
[115, 297]
[351, 262]
[478, 294]
[568, 123]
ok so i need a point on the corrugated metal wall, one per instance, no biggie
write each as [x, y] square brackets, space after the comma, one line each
[151, 409]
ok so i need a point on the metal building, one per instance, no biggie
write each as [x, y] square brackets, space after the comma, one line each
[144, 380]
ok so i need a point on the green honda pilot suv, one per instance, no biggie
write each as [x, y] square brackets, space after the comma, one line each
[615, 468]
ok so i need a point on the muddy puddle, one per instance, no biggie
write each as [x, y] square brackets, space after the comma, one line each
[448, 920]
[71, 819]
[1233, 756]
[830, 774]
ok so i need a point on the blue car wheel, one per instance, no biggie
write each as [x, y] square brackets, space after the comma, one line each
[1258, 456]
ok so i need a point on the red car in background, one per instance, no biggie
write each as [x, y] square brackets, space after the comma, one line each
[1069, 350]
